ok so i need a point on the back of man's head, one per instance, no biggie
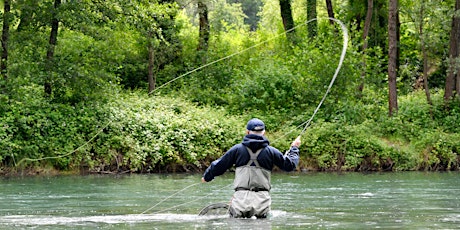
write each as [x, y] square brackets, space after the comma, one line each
[256, 126]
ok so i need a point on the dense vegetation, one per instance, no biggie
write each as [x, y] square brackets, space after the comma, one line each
[99, 116]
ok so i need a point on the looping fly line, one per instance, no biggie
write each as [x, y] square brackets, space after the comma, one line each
[305, 124]
[342, 57]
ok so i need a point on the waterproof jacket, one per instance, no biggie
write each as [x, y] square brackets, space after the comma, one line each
[238, 156]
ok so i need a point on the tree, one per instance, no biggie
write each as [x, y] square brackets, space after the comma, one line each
[250, 9]
[153, 23]
[330, 11]
[392, 56]
[367, 25]
[312, 27]
[288, 20]
[5, 37]
[52, 44]
[161, 33]
[424, 56]
[453, 72]
[151, 77]
[378, 28]
[204, 31]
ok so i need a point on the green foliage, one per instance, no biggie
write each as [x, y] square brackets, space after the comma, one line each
[37, 129]
[354, 13]
[267, 76]
[90, 122]
[134, 133]
[332, 146]
[425, 21]
[250, 9]
[85, 68]
[151, 133]
[268, 87]
[226, 16]
[439, 151]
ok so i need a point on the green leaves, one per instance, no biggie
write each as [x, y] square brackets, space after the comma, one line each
[150, 133]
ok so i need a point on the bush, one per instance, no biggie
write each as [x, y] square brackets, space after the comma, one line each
[333, 146]
[133, 133]
[149, 133]
[438, 151]
[35, 129]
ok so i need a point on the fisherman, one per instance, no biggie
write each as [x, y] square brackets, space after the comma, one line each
[254, 160]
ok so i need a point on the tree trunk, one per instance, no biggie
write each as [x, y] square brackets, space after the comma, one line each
[398, 41]
[312, 27]
[425, 56]
[151, 79]
[50, 53]
[367, 25]
[330, 11]
[367, 22]
[204, 31]
[457, 85]
[288, 20]
[392, 57]
[5, 36]
[453, 75]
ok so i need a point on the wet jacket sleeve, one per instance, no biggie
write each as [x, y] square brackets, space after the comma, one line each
[287, 162]
[221, 165]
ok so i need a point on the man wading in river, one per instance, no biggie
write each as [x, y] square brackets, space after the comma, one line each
[254, 160]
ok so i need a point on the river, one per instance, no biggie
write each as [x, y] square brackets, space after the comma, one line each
[402, 200]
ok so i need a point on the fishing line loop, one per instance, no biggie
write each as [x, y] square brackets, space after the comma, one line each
[305, 124]
[342, 57]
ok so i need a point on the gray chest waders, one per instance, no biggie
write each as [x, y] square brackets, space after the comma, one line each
[251, 176]
[251, 197]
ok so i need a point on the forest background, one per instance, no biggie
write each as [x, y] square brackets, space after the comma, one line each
[167, 86]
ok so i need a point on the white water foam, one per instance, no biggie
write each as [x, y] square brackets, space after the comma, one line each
[107, 219]
[40, 220]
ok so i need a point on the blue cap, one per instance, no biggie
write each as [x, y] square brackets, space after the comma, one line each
[255, 125]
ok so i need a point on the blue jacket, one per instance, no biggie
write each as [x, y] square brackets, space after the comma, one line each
[238, 156]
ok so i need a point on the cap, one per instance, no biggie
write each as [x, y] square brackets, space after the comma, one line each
[255, 125]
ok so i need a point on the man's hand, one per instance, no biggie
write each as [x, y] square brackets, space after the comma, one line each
[296, 142]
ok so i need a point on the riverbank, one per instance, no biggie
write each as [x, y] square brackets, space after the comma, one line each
[139, 134]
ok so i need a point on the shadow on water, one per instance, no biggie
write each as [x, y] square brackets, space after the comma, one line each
[409, 200]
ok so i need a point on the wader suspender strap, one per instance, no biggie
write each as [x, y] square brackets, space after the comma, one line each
[253, 157]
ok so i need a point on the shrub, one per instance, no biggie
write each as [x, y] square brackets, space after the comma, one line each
[438, 151]
[147, 134]
[333, 146]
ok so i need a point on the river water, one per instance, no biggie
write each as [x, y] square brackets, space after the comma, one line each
[406, 200]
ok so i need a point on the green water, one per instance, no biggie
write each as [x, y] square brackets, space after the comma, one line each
[408, 200]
